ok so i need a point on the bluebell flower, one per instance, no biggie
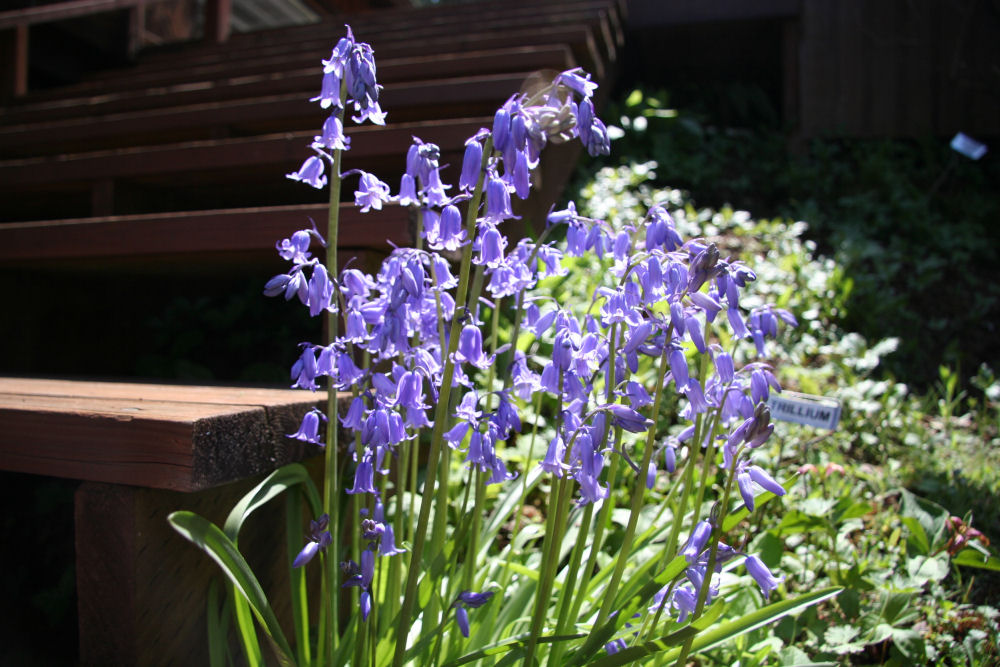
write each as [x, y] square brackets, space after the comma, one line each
[329, 95]
[615, 645]
[372, 193]
[577, 82]
[498, 206]
[320, 291]
[319, 539]
[491, 245]
[309, 429]
[311, 173]
[553, 461]
[747, 474]
[355, 414]
[364, 476]
[470, 347]
[670, 457]
[304, 370]
[627, 418]
[333, 136]
[762, 575]
[698, 541]
[472, 164]
[296, 248]
[468, 600]
[410, 391]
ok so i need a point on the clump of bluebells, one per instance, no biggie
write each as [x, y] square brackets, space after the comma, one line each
[432, 406]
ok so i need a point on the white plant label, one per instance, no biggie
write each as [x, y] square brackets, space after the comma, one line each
[817, 411]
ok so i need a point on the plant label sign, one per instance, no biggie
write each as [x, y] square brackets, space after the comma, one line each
[817, 411]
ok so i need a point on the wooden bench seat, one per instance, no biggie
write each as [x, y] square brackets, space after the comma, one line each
[182, 438]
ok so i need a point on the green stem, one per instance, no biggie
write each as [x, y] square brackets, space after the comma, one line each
[569, 596]
[331, 490]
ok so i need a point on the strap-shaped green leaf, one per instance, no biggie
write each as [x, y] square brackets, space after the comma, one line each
[508, 645]
[272, 485]
[719, 634]
[210, 539]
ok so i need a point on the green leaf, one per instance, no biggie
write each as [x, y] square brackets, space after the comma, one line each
[932, 517]
[719, 634]
[506, 645]
[272, 486]
[923, 568]
[841, 639]
[218, 624]
[972, 558]
[918, 537]
[210, 539]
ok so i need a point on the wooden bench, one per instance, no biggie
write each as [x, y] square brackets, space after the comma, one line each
[142, 451]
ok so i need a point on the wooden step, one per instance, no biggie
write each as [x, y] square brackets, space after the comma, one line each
[247, 231]
[410, 101]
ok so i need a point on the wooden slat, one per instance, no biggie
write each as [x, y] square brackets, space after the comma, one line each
[158, 436]
[251, 230]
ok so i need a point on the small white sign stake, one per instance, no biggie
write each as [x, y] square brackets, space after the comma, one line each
[817, 411]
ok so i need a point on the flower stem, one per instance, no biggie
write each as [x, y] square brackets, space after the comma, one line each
[331, 486]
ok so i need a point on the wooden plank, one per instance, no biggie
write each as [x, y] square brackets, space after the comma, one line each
[63, 103]
[251, 230]
[119, 435]
[459, 97]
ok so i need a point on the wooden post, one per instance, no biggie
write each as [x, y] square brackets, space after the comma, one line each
[136, 28]
[217, 15]
[143, 588]
[14, 62]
